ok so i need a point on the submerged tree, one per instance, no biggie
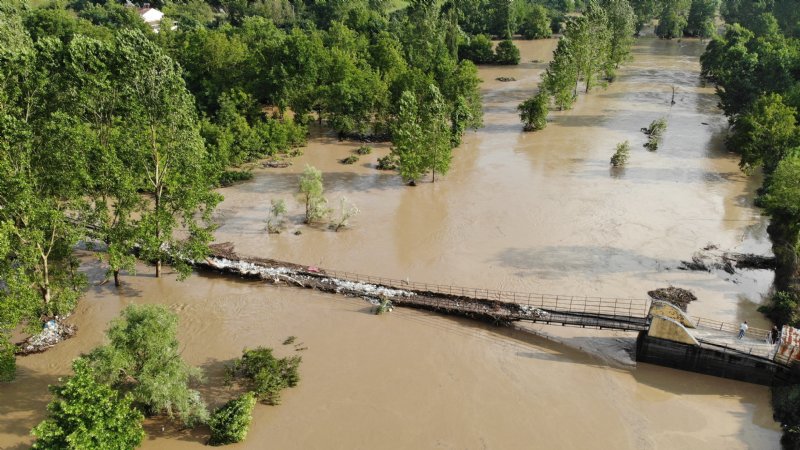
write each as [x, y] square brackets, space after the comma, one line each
[143, 359]
[312, 193]
[533, 111]
[621, 154]
[561, 76]
[87, 414]
[421, 137]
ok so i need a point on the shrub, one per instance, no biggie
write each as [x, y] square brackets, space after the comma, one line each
[388, 162]
[346, 211]
[782, 308]
[230, 177]
[266, 375]
[8, 363]
[275, 219]
[230, 423]
[506, 53]
[533, 112]
[364, 150]
[621, 155]
[352, 159]
[654, 133]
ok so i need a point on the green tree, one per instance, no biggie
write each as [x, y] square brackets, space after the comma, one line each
[765, 134]
[143, 359]
[421, 135]
[673, 19]
[477, 49]
[589, 41]
[533, 111]
[560, 79]
[621, 24]
[230, 423]
[168, 153]
[536, 23]
[312, 193]
[506, 53]
[702, 15]
[264, 374]
[86, 414]
[646, 11]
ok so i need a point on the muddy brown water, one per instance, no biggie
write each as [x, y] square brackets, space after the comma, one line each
[537, 212]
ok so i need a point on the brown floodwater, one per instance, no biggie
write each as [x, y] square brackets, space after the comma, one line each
[537, 212]
[408, 379]
[542, 212]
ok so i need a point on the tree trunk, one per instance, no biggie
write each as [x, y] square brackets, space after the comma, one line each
[116, 277]
[158, 235]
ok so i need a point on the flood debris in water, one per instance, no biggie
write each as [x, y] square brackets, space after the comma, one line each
[676, 296]
[505, 79]
[54, 331]
[712, 258]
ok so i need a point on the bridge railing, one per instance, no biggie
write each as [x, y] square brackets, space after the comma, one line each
[565, 303]
[754, 333]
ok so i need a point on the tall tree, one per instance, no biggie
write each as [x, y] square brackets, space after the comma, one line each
[621, 24]
[702, 15]
[560, 79]
[143, 359]
[421, 136]
[169, 153]
[765, 134]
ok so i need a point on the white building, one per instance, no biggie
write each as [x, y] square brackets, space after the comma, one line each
[151, 16]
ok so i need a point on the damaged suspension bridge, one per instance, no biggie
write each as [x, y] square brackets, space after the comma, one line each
[667, 336]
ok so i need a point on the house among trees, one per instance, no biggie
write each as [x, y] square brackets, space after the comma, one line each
[151, 16]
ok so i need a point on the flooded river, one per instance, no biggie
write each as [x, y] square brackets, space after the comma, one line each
[536, 212]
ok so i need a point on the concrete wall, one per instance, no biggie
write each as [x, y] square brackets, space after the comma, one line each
[665, 309]
[671, 330]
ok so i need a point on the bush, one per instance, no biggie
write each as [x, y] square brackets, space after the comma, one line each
[478, 50]
[230, 423]
[230, 177]
[388, 162]
[364, 150]
[654, 132]
[275, 220]
[533, 111]
[506, 53]
[621, 155]
[352, 159]
[266, 375]
[8, 363]
[782, 308]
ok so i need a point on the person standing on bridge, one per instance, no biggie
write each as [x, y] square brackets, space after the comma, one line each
[742, 329]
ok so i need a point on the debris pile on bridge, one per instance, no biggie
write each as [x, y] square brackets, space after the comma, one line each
[223, 258]
[676, 296]
[620, 314]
